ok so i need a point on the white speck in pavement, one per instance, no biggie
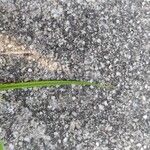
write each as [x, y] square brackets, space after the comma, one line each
[11, 146]
[145, 117]
[29, 70]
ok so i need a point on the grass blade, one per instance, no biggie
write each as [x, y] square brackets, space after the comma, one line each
[49, 83]
[1, 145]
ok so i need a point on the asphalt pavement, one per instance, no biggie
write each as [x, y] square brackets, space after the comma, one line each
[89, 40]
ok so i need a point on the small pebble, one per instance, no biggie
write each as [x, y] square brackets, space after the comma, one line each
[97, 143]
[30, 70]
[139, 145]
[11, 146]
[145, 117]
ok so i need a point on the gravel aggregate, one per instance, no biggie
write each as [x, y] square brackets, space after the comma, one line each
[91, 40]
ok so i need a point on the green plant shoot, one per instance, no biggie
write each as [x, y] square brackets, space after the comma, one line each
[1, 145]
[50, 83]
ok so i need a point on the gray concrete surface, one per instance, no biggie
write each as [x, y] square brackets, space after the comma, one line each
[92, 40]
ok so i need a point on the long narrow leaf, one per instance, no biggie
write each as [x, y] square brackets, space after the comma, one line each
[1, 145]
[49, 83]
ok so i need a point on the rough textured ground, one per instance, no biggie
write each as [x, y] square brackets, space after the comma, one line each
[92, 40]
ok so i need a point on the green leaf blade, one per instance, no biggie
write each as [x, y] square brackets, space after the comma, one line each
[49, 83]
[1, 145]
